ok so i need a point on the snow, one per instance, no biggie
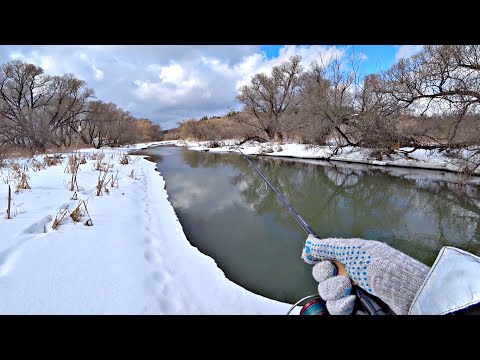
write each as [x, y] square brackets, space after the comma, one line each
[418, 159]
[135, 259]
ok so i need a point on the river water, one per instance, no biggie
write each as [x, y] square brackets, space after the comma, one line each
[227, 213]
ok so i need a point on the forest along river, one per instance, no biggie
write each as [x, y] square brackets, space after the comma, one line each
[227, 213]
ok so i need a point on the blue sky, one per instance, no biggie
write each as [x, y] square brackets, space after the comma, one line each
[377, 56]
[170, 83]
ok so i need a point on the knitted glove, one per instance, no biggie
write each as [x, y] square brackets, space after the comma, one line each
[334, 289]
[379, 269]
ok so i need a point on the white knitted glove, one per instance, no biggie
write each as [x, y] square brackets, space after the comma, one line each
[376, 267]
[334, 289]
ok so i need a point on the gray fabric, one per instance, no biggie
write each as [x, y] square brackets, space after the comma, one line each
[376, 267]
[452, 284]
[323, 270]
[335, 288]
[343, 306]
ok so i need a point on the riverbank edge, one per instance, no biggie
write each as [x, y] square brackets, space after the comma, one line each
[435, 162]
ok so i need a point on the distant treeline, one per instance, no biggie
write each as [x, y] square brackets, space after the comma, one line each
[430, 100]
[40, 111]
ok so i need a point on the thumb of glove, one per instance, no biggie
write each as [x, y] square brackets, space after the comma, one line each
[376, 267]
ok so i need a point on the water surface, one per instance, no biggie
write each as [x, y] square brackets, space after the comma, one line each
[227, 213]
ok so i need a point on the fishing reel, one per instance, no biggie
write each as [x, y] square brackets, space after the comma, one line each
[314, 305]
[365, 304]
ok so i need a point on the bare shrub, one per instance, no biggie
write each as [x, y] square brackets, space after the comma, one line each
[213, 144]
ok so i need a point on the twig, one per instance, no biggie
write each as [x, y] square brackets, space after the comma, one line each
[9, 201]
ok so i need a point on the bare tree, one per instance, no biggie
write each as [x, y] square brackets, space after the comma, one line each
[146, 130]
[121, 128]
[34, 106]
[95, 124]
[440, 80]
[328, 98]
[270, 100]
[62, 114]
[22, 95]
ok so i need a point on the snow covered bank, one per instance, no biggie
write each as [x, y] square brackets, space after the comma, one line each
[420, 159]
[135, 259]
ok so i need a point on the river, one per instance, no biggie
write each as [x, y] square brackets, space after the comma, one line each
[227, 212]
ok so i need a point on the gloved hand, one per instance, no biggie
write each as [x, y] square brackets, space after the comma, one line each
[376, 267]
[334, 288]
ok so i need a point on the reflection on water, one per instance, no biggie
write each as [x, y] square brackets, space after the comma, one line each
[225, 212]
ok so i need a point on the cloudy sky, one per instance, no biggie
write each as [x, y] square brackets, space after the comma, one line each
[169, 83]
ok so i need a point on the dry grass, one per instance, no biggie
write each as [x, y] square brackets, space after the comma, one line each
[59, 217]
[100, 165]
[73, 166]
[37, 165]
[78, 213]
[125, 160]
[114, 180]
[52, 160]
[17, 209]
[101, 184]
[21, 178]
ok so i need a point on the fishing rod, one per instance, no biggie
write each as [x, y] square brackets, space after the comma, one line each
[317, 306]
[282, 198]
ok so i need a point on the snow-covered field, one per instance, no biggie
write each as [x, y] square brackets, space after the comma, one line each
[135, 258]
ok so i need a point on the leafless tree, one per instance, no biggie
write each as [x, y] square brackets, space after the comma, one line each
[22, 95]
[329, 92]
[440, 80]
[192, 129]
[270, 100]
[146, 130]
[95, 125]
[34, 106]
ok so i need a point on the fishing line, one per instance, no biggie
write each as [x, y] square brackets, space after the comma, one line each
[303, 224]
[316, 306]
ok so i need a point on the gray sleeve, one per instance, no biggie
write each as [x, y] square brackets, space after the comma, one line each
[452, 284]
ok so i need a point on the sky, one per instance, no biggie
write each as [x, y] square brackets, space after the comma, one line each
[170, 83]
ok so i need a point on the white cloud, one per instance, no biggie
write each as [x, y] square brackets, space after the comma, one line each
[99, 74]
[44, 61]
[405, 51]
[164, 83]
[172, 73]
